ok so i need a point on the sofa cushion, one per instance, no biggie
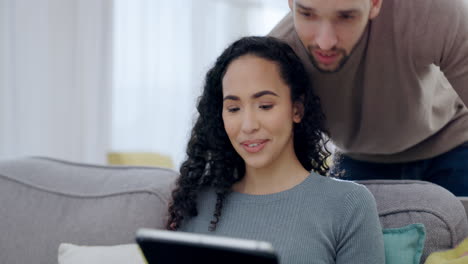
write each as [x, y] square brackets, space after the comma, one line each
[404, 202]
[404, 244]
[118, 254]
[46, 202]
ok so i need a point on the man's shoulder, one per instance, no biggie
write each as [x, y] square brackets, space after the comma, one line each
[412, 24]
[418, 11]
[284, 30]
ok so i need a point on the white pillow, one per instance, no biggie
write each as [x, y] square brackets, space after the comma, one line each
[119, 254]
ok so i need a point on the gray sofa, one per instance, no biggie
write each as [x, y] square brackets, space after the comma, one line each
[45, 202]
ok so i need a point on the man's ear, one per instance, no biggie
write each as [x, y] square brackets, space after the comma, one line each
[290, 3]
[298, 111]
[375, 8]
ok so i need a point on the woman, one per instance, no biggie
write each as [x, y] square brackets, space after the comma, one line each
[254, 159]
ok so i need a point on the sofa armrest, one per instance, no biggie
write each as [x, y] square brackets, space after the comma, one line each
[464, 201]
[67, 202]
[404, 202]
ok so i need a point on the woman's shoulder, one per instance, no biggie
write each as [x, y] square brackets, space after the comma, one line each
[337, 185]
[334, 190]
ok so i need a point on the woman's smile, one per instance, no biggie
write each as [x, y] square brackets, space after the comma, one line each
[254, 146]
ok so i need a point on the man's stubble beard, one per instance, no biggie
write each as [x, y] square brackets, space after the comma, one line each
[342, 62]
[345, 58]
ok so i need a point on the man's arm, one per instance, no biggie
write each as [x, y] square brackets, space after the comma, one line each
[447, 30]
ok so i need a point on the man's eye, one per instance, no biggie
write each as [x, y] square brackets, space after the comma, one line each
[233, 109]
[346, 17]
[306, 14]
[266, 107]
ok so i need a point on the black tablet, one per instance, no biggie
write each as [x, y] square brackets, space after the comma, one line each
[169, 247]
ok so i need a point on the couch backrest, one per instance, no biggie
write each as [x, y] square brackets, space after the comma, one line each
[45, 202]
[401, 203]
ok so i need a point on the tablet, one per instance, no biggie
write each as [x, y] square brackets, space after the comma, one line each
[169, 247]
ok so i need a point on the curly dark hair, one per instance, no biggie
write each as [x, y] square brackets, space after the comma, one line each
[211, 159]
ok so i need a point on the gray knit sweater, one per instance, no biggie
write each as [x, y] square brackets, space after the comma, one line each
[321, 220]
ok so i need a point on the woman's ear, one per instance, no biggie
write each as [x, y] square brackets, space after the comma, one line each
[298, 111]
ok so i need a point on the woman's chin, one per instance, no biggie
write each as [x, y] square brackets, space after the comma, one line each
[256, 163]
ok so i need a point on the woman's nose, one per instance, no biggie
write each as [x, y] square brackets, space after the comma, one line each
[249, 122]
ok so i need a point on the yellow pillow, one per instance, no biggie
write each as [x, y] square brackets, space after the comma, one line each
[139, 159]
[458, 255]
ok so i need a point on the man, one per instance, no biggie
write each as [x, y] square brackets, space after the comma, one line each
[392, 76]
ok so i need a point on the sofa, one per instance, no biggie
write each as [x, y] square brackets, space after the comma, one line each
[45, 202]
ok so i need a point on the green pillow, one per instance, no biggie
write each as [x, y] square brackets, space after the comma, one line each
[404, 245]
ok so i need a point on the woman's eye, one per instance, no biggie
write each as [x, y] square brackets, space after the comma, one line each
[266, 107]
[233, 109]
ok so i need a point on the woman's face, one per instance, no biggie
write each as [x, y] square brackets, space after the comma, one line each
[258, 114]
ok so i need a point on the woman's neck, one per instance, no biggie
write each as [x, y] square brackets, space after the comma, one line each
[277, 178]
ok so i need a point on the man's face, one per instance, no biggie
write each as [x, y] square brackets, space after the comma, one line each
[330, 29]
